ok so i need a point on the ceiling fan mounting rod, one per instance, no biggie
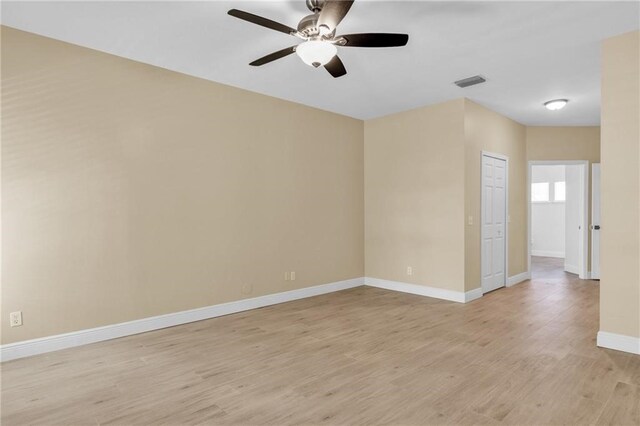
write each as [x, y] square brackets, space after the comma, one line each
[315, 5]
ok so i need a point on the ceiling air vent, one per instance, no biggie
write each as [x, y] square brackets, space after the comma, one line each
[471, 81]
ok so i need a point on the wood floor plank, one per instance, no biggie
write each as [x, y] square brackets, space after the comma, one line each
[623, 408]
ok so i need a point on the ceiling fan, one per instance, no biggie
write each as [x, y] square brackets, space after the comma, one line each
[318, 31]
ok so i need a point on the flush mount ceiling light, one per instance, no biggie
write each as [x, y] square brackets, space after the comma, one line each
[556, 104]
[316, 52]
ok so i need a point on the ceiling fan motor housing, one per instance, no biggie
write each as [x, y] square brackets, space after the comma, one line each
[308, 27]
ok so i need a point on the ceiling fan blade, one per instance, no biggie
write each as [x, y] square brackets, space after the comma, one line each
[273, 56]
[335, 67]
[333, 11]
[375, 40]
[259, 20]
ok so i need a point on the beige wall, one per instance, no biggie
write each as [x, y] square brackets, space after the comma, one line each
[563, 143]
[422, 181]
[414, 196]
[131, 191]
[486, 130]
[620, 245]
[566, 143]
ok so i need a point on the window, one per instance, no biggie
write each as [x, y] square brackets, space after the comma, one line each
[540, 192]
[559, 191]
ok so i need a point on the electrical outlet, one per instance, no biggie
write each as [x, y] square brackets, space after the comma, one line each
[15, 319]
[409, 270]
[293, 275]
[286, 276]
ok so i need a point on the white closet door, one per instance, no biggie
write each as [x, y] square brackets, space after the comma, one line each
[494, 207]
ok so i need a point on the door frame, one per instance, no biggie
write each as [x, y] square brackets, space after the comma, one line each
[584, 268]
[506, 213]
[594, 274]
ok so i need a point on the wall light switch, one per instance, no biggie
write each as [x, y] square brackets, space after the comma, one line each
[15, 319]
[470, 220]
[286, 276]
[293, 275]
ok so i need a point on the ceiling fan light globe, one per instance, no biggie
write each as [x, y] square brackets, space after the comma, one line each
[315, 52]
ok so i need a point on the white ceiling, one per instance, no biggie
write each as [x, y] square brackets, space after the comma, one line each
[529, 52]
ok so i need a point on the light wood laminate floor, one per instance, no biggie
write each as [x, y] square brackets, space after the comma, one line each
[521, 355]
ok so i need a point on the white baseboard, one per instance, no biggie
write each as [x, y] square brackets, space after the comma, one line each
[517, 279]
[99, 334]
[422, 290]
[546, 253]
[572, 269]
[474, 294]
[619, 342]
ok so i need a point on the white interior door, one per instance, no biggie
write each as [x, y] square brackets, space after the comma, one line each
[573, 220]
[494, 209]
[576, 220]
[595, 221]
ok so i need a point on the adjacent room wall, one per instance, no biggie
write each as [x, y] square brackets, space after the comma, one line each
[620, 237]
[131, 191]
[486, 130]
[414, 196]
[548, 218]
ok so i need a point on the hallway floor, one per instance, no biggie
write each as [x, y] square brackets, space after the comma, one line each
[549, 267]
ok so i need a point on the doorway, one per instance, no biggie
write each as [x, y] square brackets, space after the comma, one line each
[494, 214]
[558, 217]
